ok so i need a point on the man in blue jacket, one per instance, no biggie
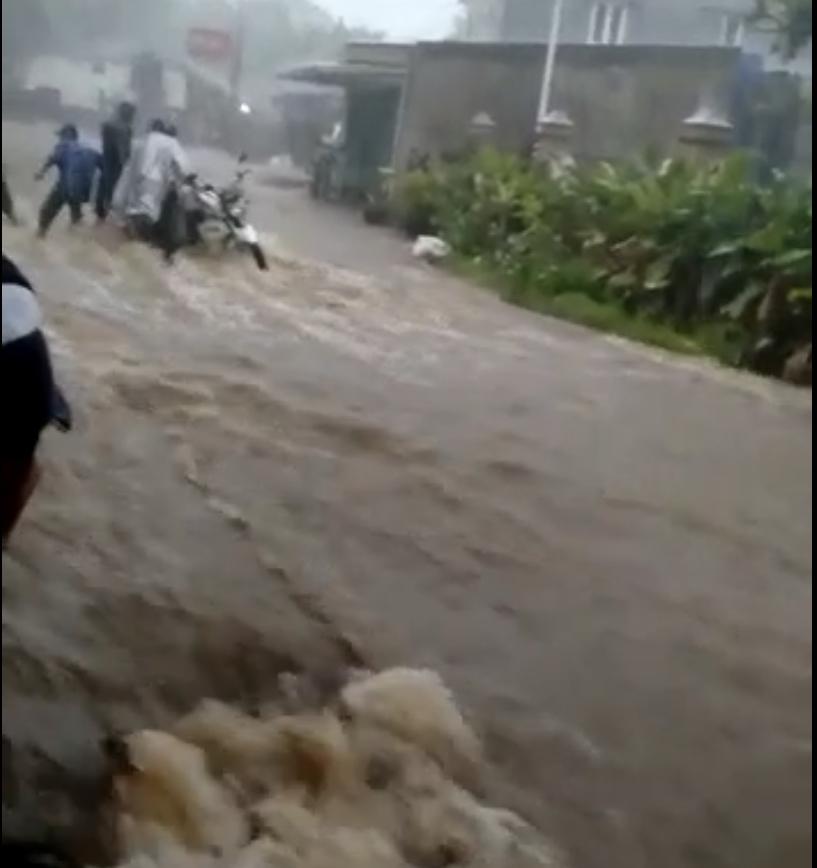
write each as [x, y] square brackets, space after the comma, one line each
[76, 166]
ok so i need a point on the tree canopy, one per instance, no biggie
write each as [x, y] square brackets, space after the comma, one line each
[788, 20]
[278, 32]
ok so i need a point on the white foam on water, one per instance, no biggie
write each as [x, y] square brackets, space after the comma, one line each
[381, 779]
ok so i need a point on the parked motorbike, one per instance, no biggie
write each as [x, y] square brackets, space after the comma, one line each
[216, 217]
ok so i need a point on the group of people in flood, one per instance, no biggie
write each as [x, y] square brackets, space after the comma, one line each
[138, 181]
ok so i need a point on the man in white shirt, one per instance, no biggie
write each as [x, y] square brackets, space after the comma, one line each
[148, 188]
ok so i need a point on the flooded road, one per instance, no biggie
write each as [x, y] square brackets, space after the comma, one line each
[354, 459]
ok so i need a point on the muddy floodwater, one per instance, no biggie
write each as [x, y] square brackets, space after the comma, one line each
[356, 459]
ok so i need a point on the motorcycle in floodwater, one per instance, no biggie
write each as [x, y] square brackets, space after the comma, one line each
[216, 217]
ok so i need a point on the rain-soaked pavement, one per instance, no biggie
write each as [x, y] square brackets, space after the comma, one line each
[357, 459]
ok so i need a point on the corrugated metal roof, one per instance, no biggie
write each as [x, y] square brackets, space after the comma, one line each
[346, 74]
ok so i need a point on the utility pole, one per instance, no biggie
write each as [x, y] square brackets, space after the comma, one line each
[550, 60]
[237, 68]
[236, 74]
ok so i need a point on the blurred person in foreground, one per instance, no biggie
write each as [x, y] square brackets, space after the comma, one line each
[8, 202]
[147, 194]
[76, 166]
[31, 398]
[117, 136]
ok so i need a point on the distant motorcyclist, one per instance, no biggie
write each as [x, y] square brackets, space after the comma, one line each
[31, 398]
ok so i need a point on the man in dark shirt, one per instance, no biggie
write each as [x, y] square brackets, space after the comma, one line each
[117, 134]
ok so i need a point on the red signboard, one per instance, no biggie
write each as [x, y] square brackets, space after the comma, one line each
[207, 44]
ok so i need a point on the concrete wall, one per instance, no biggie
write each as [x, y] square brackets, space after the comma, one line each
[625, 100]
[81, 83]
[96, 86]
[622, 99]
[449, 83]
[371, 119]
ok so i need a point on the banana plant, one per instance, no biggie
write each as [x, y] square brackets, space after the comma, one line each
[680, 243]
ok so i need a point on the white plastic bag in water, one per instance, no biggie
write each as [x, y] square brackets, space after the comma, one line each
[430, 248]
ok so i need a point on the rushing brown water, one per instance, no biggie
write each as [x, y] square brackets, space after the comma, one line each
[353, 458]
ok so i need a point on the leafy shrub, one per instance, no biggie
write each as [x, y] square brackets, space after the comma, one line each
[415, 202]
[696, 248]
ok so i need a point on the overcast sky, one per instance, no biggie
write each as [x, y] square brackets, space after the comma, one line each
[400, 19]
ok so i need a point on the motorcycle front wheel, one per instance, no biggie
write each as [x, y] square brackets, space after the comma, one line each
[259, 257]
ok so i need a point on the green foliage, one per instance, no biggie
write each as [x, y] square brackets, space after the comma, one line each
[788, 20]
[417, 201]
[699, 250]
